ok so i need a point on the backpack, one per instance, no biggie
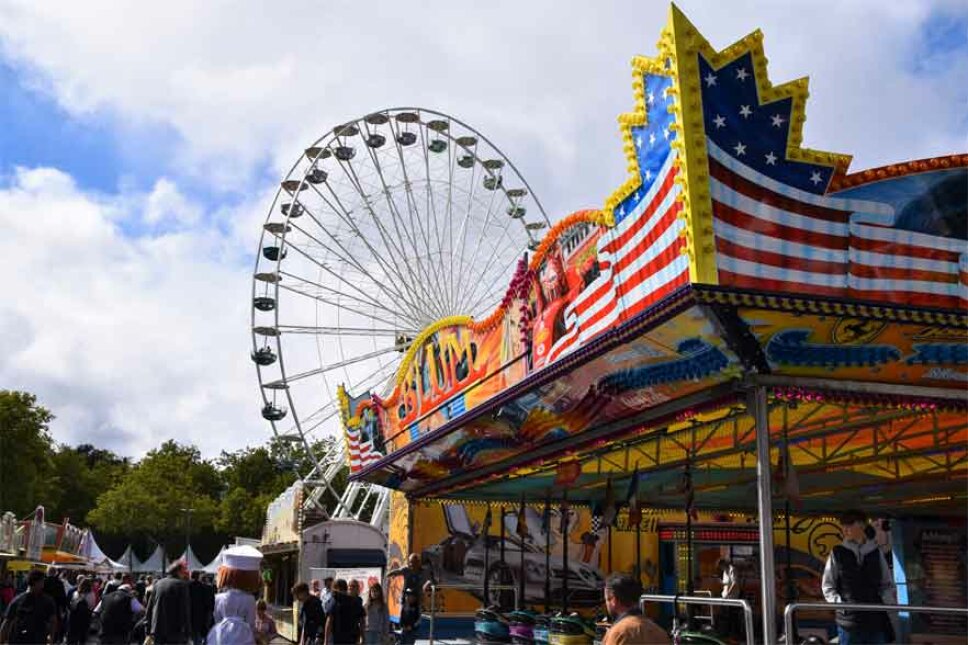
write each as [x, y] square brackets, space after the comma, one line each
[116, 615]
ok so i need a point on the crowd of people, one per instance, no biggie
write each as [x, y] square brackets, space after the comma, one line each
[62, 607]
[181, 608]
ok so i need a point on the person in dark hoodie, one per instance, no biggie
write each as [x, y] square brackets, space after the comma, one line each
[856, 572]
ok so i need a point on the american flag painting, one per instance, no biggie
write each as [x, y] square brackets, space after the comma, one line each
[361, 428]
[641, 258]
[775, 227]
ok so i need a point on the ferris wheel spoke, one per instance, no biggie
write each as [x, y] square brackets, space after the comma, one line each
[432, 211]
[395, 251]
[480, 243]
[412, 278]
[343, 331]
[366, 296]
[493, 255]
[347, 219]
[416, 220]
[341, 305]
[332, 366]
[383, 285]
[463, 236]
[342, 294]
[494, 291]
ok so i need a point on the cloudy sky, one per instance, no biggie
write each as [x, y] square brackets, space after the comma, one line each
[140, 144]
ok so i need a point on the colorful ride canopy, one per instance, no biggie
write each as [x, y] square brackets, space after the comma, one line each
[729, 252]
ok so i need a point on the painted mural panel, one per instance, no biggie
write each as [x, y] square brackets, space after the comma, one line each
[681, 356]
[861, 349]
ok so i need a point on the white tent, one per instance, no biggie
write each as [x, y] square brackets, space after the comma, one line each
[99, 559]
[212, 567]
[154, 564]
[189, 558]
[129, 561]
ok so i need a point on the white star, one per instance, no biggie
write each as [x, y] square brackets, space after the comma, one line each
[770, 159]
[665, 133]
[777, 120]
[745, 111]
[815, 177]
[720, 121]
[621, 210]
[638, 141]
[651, 139]
[741, 74]
[648, 175]
[651, 98]
[740, 149]
[710, 79]
[638, 194]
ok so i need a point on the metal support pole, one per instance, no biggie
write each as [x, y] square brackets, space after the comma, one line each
[547, 529]
[761, 414]
[521, 536]
[487, 556]
[564, 554]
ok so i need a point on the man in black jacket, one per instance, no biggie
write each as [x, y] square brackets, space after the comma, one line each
[169, 615]
[856, 572]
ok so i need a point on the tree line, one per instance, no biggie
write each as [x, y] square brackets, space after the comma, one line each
[140, 502]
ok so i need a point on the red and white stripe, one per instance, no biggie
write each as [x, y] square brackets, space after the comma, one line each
[641, 261]
[360, 454]
[774, 237]
[908, 268]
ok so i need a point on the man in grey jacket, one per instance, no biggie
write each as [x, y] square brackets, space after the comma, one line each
[856, 572]
[169, 613]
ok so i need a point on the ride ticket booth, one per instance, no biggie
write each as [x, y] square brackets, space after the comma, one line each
[743, 327]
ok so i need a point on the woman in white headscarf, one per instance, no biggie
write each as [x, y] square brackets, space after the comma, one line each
[238, 582]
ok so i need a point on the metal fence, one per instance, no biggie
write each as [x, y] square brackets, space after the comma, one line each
[834, 606]
[433, 600]
[706, 601]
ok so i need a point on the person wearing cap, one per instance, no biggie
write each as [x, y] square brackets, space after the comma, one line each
[239, 580]
[169, 616]
[30, 617]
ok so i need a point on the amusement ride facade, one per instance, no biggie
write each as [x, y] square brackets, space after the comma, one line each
[743, 330]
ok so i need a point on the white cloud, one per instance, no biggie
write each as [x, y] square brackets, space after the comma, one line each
[242, 82]
[130, 340]
[143, 336]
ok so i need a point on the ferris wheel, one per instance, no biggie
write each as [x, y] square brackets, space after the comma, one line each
[384, 225]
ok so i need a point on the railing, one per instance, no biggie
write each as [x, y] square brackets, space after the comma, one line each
[835, 606]
[697, 600]
[433, 600]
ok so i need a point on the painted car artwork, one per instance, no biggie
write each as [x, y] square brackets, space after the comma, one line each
[459, 559]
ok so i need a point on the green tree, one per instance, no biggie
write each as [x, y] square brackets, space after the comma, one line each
[253, 477]
[26, 468]
[81, 474]
[149, 500]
